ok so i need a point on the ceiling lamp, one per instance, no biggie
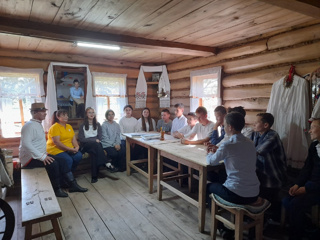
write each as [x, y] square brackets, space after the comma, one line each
[101, 46]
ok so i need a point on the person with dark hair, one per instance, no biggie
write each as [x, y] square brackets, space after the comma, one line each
[246, 130]
[202, 130]
[180, 120]
[146, 123]
[219, 113]
[76, 92]
[62, 141]
[239, 156]
[32, 153]
[90, 135]
[128, 123]
[165, 122]
[305, 192]
[270, 161]
[111, 141]
[192, 121]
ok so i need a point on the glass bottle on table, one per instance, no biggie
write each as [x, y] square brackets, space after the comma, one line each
[162, 134]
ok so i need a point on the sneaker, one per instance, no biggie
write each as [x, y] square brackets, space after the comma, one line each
[226, 233]
[111, 168]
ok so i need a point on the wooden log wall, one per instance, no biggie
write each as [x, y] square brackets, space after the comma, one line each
[249, 70]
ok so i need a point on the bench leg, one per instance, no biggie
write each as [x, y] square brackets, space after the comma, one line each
[28, 232]
[56, 229]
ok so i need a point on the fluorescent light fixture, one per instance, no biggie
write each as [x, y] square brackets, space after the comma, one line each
[94, 45]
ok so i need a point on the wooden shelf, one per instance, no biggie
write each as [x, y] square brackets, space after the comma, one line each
[152, 83]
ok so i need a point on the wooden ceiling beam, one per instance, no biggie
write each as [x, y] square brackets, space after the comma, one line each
[307, 7]
[68, 34]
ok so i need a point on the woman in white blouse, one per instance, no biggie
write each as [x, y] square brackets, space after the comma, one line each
[146, 123]
[128, 124]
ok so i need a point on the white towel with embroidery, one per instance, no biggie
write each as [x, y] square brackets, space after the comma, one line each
[164, 86]
[141, 90]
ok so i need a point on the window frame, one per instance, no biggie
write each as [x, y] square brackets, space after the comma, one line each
[22, 73]
[196, 97]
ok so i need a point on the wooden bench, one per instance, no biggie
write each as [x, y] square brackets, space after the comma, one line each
[38, 202]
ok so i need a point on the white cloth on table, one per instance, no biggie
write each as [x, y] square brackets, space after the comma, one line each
[290, 108]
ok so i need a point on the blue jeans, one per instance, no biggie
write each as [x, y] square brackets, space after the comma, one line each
[71, 159]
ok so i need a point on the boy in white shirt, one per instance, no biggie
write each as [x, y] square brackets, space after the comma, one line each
[192, 121]
[202, 130]
[180, 121]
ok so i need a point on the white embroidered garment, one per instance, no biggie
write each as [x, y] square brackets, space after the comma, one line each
[164, 86]
[290, 108]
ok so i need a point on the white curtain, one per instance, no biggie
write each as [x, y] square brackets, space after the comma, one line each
[51, 100]
[113, 86]
[17, 84]
[201, 88]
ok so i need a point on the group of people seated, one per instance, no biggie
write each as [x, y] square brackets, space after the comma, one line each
[254, 158]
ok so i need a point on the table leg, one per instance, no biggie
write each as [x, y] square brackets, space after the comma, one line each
[150, 168]
[202, 197]
[190, 179]
[128, 156]
[159, 175]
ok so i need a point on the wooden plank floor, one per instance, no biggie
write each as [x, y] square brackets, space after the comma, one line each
[120, 207]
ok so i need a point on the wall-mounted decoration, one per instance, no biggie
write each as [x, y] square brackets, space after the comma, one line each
[163, 87]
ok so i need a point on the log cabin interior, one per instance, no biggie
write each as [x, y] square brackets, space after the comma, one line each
[255, 42]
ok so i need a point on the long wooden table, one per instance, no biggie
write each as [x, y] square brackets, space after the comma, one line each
[193, 156]
[152, 156]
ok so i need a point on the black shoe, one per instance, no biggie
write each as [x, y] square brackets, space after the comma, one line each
[76, 188]
[60, 193]
[94, 180]
[112, 168]
[226, 233]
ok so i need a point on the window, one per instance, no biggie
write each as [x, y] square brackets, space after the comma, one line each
[19, 88]
[205, 90]
[110, 93]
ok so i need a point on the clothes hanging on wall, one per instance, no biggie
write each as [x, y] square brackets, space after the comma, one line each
[163, 86]
[290, 108]
[314, 79]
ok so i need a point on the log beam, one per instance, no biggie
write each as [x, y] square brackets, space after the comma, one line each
[68, 34]
[306, 7]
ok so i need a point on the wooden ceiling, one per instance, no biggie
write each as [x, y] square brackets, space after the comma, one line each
[149, 31]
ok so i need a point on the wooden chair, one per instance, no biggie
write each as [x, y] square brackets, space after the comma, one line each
[254, 211]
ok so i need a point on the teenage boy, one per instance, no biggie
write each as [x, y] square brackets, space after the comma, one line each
[192, 121]
[219, 112]
[239, 155]
[180, 120]
[165, 122]
[201, 130]
[306, 190]
[270, 160]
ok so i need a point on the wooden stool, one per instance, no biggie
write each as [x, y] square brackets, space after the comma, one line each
[254, 211]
